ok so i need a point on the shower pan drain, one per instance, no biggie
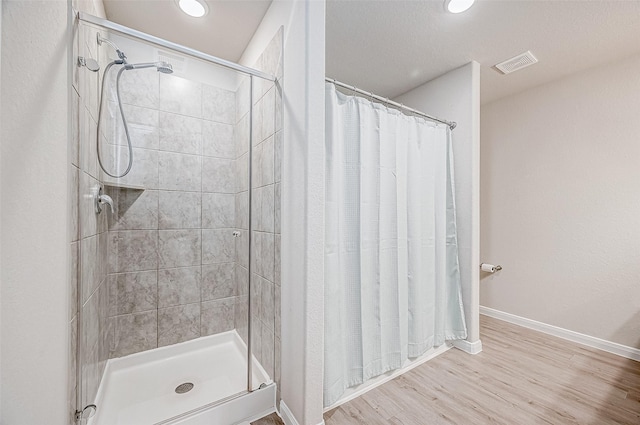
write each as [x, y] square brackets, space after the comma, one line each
[184, 388]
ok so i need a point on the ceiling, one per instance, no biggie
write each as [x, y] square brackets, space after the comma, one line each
[389, 47]
[224, 32]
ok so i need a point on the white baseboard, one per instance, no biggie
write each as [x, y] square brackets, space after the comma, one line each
[468, 347]
[589, 341]
[372, 383]
[287, 416]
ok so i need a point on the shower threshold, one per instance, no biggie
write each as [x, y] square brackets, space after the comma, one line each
[205, 376]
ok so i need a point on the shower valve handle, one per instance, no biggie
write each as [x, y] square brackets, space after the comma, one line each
[101, 199]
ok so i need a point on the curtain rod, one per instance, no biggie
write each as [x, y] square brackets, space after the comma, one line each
[384, 100]
[85, 17]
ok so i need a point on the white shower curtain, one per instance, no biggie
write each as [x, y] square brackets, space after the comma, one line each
[392, 281]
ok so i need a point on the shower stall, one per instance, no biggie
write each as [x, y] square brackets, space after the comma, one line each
[175, 176]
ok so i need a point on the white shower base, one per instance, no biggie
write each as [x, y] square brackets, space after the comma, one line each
[139, 389]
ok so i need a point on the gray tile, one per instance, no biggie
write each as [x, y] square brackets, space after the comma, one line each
[218, 104]
[103, 256]
[179, 171]
[89, 271]
[218, 210]
[242, 280]
[74, 187]
[133, 250]
[140, 88]
[134, 209]
[277, 366]
[217, 316]
[272, 55]
[179, 248]
[242, 172]
[241, 320]
[277, 202]
[87, 154]
[91, 321]
[268, 309]
[179, 210]
[241, 136]
[242, 248]
[178, 324]
[178, 286]
[135, 332]
[86, 208]
[74, 140]
[277, 156]
[218, 246]
[144, 168]
[218, 140]
[278, 105]
[218, 175]
[277, 305]
[133, 292]
[263, 172]
[268, 349]
[242, 210]
[242, 98]
[141, 122]
[269, 113]
[218, 281]
[74, 279]
[263, 209]
[255, 290]
[90, 375]
[256, 122]
[256, 338]
[179, 133]
[73, 364]
[277, 266]
[264, 255]
[180, 96]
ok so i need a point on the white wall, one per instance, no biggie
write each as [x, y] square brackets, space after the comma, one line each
[33, 184]
[0, 218]
[561, 203]
[455, 96]
[302, 200]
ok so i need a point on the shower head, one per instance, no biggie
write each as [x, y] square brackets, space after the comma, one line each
[161, 66]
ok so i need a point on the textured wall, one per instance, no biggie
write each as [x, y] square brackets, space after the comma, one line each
[33, 182]
[560, 205]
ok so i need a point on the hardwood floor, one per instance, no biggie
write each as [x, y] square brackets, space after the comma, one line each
[522, 377]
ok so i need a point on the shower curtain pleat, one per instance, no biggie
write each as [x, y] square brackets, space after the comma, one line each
[392, 285]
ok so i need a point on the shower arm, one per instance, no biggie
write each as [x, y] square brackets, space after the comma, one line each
[123, 58]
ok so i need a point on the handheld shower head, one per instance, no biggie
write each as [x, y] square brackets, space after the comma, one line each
[163, 67]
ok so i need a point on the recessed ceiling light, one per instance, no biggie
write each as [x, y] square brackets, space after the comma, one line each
[458, 6]
[195, 8]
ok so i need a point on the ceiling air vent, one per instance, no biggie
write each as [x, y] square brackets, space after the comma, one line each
[178, 63]
[516, 63]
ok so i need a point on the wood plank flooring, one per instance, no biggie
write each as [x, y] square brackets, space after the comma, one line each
[522, 377]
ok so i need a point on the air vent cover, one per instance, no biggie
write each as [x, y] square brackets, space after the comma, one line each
[178, 63]
[516, 63]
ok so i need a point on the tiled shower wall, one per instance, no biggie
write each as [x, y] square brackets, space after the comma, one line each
[88, 230]
[171, 246]
[266, 183]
